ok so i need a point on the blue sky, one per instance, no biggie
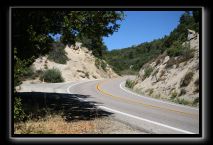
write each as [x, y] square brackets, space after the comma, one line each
[142, 26]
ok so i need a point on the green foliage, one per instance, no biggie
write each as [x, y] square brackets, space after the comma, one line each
[176, 49]
[29, 71]
[21, 68]
[196, 101]
[151, 91]
[58, 55]
[181, 101]
[52, 76]
[32, 28]
[130, 83]
[148, 71]
[174, 94]
[100, 64]
[138, 55]
[19, 114]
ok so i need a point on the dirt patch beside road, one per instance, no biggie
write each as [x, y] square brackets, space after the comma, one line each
[57, 125]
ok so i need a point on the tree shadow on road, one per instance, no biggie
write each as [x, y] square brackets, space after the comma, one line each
[39, 104]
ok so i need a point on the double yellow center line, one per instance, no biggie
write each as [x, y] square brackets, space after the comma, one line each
[139, 102]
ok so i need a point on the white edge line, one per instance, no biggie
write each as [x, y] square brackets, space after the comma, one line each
[68, 88]
[156, 100]
[146, 120]
[126, 114]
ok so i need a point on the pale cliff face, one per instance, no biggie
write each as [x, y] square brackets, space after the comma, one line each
[179, 81]
[80, 66]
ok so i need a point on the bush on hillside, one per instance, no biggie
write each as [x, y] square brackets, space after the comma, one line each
[29, 71]
[58, 55]
[100, 64]
[52, 76]
[130, 84]
[181, 101]
[176, 49]
[186, 79]
[148, 71]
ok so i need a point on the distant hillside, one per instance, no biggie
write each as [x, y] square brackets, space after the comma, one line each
[130, 60]
[174, 77]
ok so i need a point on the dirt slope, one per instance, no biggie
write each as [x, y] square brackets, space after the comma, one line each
[82, 65]
[178, 82]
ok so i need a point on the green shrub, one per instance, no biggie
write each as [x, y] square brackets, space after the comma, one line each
[45, 66]
[155, 72]
[186, 79]
[28, 72]
[58, 55]
[151, 91]
[52, 76]
[188, 53]
[103, 65]
[97, 63]
[148, 71]
[100, 64]
[20, 68]
[174, 94]
[157, 62]
[196, 101]
[130, 84]
[19, 114]
[176, 49]
[182, 101]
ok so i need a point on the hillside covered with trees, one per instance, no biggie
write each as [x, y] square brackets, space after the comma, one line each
[130, 60]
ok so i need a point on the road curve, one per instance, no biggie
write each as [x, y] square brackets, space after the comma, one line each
[151, 114]
[141, 112]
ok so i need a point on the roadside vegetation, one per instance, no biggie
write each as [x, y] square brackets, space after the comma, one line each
[58, 54]
[52, 76]
[134, 57]
[32, 40]
[33, 33]
[99, 63]
[130, 83]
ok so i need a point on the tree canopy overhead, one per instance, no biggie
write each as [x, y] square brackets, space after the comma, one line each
[31, 28]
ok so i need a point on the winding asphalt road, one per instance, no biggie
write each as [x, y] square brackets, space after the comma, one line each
[143, 113]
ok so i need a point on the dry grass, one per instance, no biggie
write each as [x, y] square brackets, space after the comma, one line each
[55, 125]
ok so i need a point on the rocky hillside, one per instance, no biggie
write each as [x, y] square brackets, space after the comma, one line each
[81, 65]
[173, 78]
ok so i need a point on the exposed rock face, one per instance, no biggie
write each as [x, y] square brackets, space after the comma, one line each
[171, 78]
[80, 66]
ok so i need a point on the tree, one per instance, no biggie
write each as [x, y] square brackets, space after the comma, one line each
[31, 29]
